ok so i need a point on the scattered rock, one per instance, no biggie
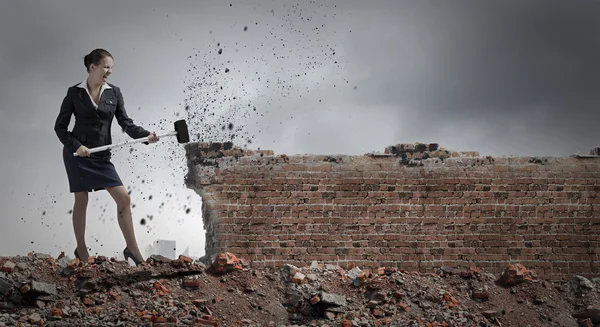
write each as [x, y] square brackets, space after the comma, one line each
[515, 274]
[5, 286]
[592, 314]
[333, 299]
[583, 282]
[225, 263]
[43, 288]
[298, 278]
[8, 266]
[162, 293]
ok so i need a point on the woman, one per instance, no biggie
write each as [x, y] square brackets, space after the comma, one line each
[94, 103]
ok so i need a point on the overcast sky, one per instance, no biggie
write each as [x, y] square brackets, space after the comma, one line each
[339, 77]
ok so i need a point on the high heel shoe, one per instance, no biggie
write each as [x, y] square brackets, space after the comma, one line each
[127, 254]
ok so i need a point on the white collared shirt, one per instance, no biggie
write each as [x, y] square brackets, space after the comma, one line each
[83, 85]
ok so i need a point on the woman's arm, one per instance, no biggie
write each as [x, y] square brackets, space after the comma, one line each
[62, 123]
[125, 121]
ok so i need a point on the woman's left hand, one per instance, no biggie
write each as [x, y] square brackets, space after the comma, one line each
[152, 138]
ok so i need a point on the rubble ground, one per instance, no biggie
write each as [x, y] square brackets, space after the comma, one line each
[40, 290]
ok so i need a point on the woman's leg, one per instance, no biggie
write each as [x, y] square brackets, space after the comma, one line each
[79, 219]
[123, 201]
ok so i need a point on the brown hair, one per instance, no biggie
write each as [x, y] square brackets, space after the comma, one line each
[95, 57]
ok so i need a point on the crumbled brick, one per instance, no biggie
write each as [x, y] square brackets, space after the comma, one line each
[74, 263]
[25, 288]
[226, 262]
[185, 259]
[56, 312]
[191, 283]
[8, 266]
[480, 295]
[404, 307]
[315, 299]
[35, 318]
[155, 294]
[177, 263]
[159, 319]
[298, 278]
[378, 313]
[515, 274]
[114, 295]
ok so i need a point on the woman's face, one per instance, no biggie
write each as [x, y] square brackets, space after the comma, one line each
[101, 72]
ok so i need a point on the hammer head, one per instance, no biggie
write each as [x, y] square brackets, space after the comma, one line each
[181, 128]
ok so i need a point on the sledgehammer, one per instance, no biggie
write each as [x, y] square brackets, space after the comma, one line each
[181, 131]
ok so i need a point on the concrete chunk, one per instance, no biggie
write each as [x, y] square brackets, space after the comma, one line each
[43, 288]
[333, 299]
[354, 272]
[583, 282]
[331, 267]
[63, 262]
[5, 286]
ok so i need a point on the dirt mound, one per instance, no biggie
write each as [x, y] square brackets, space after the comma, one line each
[40, 290]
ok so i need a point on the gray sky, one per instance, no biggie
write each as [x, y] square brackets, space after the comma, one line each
[339, 77]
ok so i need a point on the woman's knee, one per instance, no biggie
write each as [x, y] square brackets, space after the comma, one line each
[123, 200]
[120, 195]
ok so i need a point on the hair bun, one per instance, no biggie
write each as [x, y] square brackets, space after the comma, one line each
[95, 57]
[86, 60]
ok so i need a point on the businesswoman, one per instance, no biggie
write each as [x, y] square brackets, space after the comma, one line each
[94, 103]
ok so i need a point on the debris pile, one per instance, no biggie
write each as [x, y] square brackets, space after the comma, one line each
[227, 262]
[40, 290]
[516, 274]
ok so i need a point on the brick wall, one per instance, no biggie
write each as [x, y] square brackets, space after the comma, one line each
[415, 206]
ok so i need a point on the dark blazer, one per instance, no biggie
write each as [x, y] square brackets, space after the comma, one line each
[93, 126]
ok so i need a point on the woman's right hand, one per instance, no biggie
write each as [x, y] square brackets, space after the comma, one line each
[83, 151]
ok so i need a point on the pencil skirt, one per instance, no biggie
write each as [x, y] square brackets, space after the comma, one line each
[92, 173]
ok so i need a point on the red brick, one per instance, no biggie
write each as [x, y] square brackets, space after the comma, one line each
[8, 266]
[191, 283]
